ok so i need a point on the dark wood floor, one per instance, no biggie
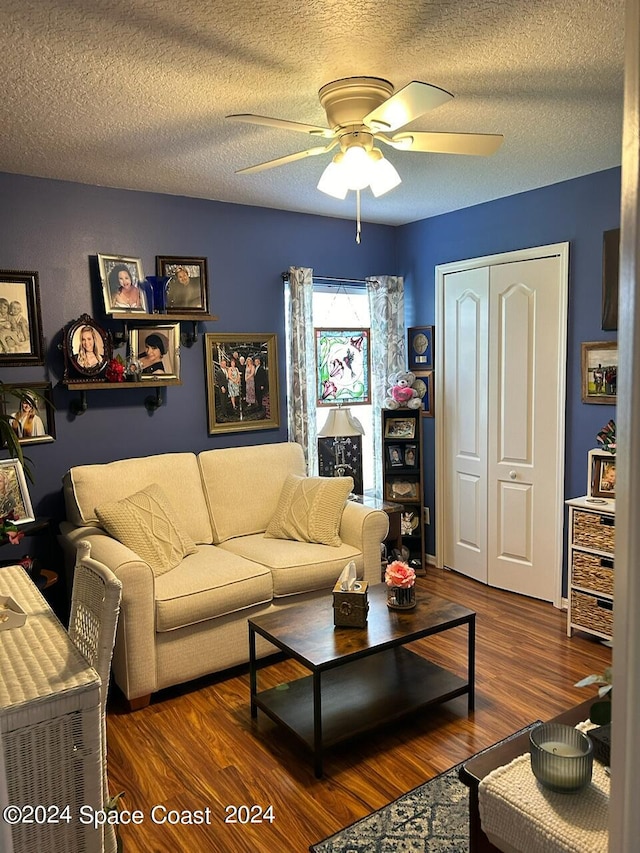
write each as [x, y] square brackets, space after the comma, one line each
[196, 747]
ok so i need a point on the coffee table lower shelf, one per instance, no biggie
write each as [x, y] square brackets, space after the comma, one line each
[336, 704]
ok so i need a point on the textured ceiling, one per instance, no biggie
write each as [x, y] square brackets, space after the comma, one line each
[134, 93]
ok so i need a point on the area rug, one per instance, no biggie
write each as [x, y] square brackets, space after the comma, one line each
[432, 818]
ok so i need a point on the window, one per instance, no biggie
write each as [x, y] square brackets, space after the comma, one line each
[338, 305]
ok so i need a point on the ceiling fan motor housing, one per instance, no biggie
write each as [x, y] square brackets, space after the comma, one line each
[347, 101]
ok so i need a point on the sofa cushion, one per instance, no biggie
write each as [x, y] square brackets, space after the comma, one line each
[296, 567]
[209, 584]
[86, 486]
[243, 484]
[146, 523]
[310, 509]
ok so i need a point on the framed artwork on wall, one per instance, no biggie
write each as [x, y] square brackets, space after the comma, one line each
[187, 289]
[603, 475]
[610, 273]
[424, 387]
[20, 319]
[87, 350]
[343, 368]
[599, 372]
[32, 414]
[121, 278]
[420, 348]
[14, 495]
[242, 382]
[155, 352]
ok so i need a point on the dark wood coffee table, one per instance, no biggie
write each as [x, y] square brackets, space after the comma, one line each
[360, 677]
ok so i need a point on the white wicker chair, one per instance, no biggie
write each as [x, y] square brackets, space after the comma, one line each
[95, 605]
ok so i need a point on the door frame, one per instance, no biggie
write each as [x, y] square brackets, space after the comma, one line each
[560, 250]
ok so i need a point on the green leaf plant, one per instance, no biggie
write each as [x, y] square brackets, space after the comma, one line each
[600, 713]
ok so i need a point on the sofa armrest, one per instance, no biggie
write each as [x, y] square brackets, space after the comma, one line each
[365, 529]
[134, 656]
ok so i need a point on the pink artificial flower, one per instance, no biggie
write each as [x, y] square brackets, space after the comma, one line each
[399, 574]
[15, 536]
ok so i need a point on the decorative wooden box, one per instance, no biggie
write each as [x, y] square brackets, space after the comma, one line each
[350, 608]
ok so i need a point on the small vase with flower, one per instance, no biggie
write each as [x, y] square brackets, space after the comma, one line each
[400, 579]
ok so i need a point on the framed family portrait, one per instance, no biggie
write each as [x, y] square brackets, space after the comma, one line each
[87, 350]
[155, 352]
[424, 386]
[400, 428]
[343, 367]
[603, 475]
[121, 279]
[14, 495]
[187, 288]
[599, 372]
[20, 319]
[31, 412]
[420, 348]
[242, 382]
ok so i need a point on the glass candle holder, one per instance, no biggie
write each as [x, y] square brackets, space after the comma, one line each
[401, 598]
[561, 757]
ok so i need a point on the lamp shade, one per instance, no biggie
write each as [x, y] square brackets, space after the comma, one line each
[340, 422]
[356, 169]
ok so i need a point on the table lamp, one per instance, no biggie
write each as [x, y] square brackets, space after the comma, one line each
[340, 447]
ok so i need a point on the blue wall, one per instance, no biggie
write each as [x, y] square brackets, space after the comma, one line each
[577, 211]
[57, 228]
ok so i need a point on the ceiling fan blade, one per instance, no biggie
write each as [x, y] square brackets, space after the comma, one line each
[288, 158]
[408, 103]
[481, 144]
[283, 124]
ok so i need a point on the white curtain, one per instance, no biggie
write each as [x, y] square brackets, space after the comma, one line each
[388, 350]
[301, 368]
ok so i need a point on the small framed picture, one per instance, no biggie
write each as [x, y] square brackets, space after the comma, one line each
[401, 490]
[87, 349]
[30, 410]
[424, 386]
[20, 320]
[121, 278]
[600, 372]
[410, 456]
[14, 495]
[603, 476]
[187, 289]
[343, 367]
[395, 455]
[155, 352]
[420, 348]
[400, 428]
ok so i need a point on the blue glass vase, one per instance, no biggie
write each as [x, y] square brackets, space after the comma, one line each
[157, 293]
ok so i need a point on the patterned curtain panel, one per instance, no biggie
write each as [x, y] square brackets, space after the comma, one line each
[301, 368]
[388, 350]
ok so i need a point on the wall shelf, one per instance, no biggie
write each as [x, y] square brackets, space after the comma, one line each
[151, 403]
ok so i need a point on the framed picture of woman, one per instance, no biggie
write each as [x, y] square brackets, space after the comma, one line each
[155, 352]
[187, 286]
[31, 412]
[121, 278]
[87, 349]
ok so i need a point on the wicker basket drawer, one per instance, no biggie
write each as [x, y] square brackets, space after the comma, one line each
[594, 530]
[592, 572]
[592, 613]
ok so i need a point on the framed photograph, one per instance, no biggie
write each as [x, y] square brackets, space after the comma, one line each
[401, 490]
[188, 285]
[410, 456]
[14, 495]
[420, 348]
[610, 273]
[424, 387]
[242, 382]
[400, 428]
[603, 476]
[155, 352]
[20, 319]
[121, 279]
[87, 349]
[343, 367]
[599, 372]
[395, 455]
[31, 414]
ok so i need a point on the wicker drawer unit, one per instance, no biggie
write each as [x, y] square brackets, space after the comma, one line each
[592, 533]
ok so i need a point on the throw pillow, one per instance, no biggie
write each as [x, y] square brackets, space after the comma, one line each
[145, 522]
[310, 509]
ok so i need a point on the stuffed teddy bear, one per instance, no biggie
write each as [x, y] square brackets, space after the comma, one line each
[401, 394]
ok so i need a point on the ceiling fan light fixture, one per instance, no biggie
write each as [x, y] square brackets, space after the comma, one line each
[384, 177]
[332, 181]
[356, 167]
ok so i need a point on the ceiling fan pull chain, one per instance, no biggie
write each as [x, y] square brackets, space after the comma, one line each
[358, 226]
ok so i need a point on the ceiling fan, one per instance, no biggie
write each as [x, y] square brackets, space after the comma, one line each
[361, 111]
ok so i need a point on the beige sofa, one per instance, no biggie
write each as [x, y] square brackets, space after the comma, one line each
[192, 620]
